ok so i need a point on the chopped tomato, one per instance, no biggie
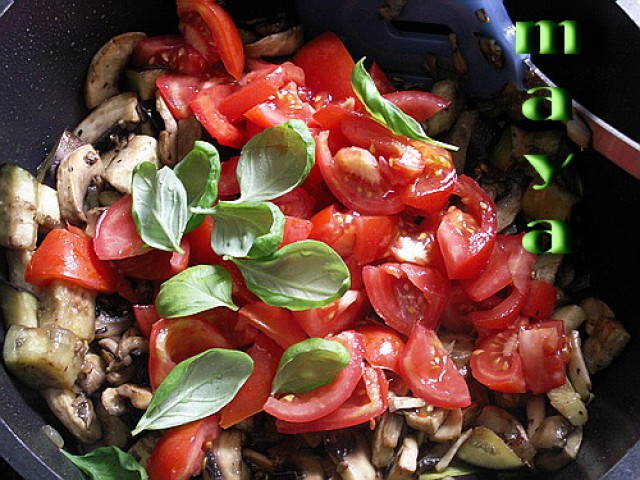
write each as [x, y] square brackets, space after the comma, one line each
[295, 230]
[466, 238]
[174, 340]
[285, 105]
[297, 203]
[495, 276]
[501, 315]
[374, 236]
[179, 453]
[200, 240]
[146, 316]
[116, 234]
[541, 348]
[418, 104]
[319, 402]
[416, 242]
[205, 108]
[335, 317]
[427, 369]
[156, 264]
[222, 29]
[405, 294]
[327, 65]
[354, 177]
[228, 186]
[177, 91]
[277, 323]
[197, 34]
[497, 364]
[254, 393]
[368, 400]
[334, 228]
[229, 324]
[70, 256]
[380, 79]
[382, 346]
[171, 52]
[540, 300]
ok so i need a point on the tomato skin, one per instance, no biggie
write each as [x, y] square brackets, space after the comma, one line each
[319, 402]
[156, 264]
[382, 346]
[277, 323]
[171, 52]
[339, 315]
[179, 453]
[224, 32]
[174, 340]
[228, 186]
[497, 363]
[430, 192]
[540, 347]
[295, 230]
[381, 80]
[429, 372]
[404, 294]
[374, 235]
[116, 234]
[283, 106]
[177, 91]
[540, 300]
[466, 239]
[200, 241]
[70, 256]
[296, 203]
[368, 401]
[205, 108]
[254, 393]
[146, 316]
[495, 276]
[418, 104]
[334, 228]
[327, 65]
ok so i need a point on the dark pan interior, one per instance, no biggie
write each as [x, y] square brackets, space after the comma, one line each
[45, 46]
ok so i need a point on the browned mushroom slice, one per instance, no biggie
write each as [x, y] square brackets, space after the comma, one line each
[552, 433]
[189, 130]
[75, 173]
[120, 110]
[277, 44]
[385, 439]
[76, 412]
[551, 461]
[227, 455]
[141, 450]
[350, 452]
[106, 67]
[444, 119]
[460, 136]
[406, 462]
[141, 148]
[451, 428]
[577, 368]
[168, 138]
[67, 143]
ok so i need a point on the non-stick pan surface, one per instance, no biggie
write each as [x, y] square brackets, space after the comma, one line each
[45, 46]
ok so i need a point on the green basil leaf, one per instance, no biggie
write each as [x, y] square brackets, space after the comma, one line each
[108, 463]
[275, 161]
[196, 388]
[199, 172]
[159, 206]
[299, 276]
[195, 290]
[309, 364]
[247, 229]
[385, 111]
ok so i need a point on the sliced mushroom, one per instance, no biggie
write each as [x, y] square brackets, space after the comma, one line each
[405, 403]
[426, 419]
[406, 462]
[113, 402]
[67, 143]
[595, 309]
[228, 456]
[143, 82]
[141, 148]
[450, 429]
[509, 429]
[120, 110]
[444, 119]
[189, 130]
[168, 138]
[385, 439]
[277, 44]
[460, 136]
[92, 374]
[484, 448]
[577, 368]
[141, 450]
[48, 209]
[76, 412]
[107, 66]
[572, 316]
[508, 207]
[75, 173]
[115, 431]
[350, 452]
[446, 459]
[546, 267]
[260, 460]
[607, 340]
[550, 461]
[552, 433]
[535, 413]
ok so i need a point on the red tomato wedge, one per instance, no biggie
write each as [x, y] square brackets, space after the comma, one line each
[224, 32]
[200, 240]
[382, 346]
[339, 315]
[405, 294]
[381, 80]
[177, 91]
[116, 234]
[156, 264]
[502, 315]
[69, 255]
[327, 65]
[205, 108]
[254, 393]
[496, 363]
[541, 348]
[297, 203]
[277, 323]
[466, 239]
[295, 230]
[418, 104]
[179, 453]
[228, 185]
[229, 324]
[146, 316]
[429, 372]
[319, 402]
[495, 276]
[374, 236]
[540, 301]
[368, 400]
[171, 52]
[285, 105]
[175, 340]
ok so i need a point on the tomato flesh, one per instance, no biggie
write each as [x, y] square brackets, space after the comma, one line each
[116, 234]
[277, 323]
[541, 349]
[335, 317]
[497, 363]
[382, 346]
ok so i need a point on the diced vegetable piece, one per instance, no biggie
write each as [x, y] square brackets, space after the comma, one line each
[551, 461]
[65, 305]
[568, 403]
[18, 205]
[606, 341]
[17, 261]
[18, 307]
[486, 449]
[551, 203]
[572, 316]
[143, 82]
[577, 368]
[444, 120]
[119, 110]
[44, 357]
[48, 209]
[141, 148]
[76, 412]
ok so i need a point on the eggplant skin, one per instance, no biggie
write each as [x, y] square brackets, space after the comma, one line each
[44, 357]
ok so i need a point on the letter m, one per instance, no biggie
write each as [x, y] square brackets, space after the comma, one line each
[547, 35]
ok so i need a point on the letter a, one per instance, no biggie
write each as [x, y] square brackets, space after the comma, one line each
[560, 238]
[559, 98]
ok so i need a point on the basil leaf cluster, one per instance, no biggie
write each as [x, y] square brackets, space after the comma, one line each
[108, 463]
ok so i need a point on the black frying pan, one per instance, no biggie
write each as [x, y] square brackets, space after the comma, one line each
[45, 47]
